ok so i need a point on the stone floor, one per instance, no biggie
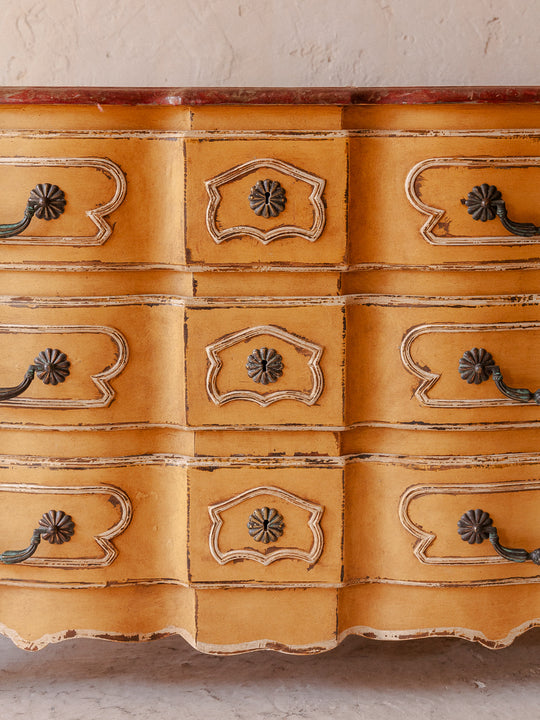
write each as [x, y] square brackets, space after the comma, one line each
[166, 680]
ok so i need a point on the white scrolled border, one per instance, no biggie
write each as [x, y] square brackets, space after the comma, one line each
[428, 378]
[100, 380]
[272, 554]
[102, 539]
[425, 538]
[315, 198]
[96, 215]
[264, 400]
[435, 214]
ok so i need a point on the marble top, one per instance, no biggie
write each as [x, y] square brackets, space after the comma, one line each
[266, 96]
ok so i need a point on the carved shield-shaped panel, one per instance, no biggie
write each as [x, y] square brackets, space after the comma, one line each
[281, 548]
[225, 222]
[311, 354]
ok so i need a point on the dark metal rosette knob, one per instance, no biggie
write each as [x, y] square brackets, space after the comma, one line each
[267, 198]
[475, 526]
[50, 366]
[264, 366]
[477, 365]
[485, 202]
[46, 202]
[54, 526]
[265, 525]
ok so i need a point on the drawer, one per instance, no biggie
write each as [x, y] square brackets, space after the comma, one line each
[251, 201]
[409, 509]
[120, 533]
[419, 361]
[264, 365]
[257, 525]
[419, 219]
[123, 199]
[104, 363]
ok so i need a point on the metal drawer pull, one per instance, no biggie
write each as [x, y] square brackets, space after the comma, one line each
[485, 202]
[46, 202]
[475, 526]
[478, 365]
[51, 367]
[55, 526]
[265, 525]
[267, 198]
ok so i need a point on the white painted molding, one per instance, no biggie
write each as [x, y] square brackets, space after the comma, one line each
[103, 539]
[97, 215]
[435, 214]
[271, 554]
[280, 231]
[264, 399]
[101, 379]
[426, 539]
[428, 378]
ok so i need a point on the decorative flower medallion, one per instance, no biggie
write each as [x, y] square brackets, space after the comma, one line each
[48, 201]
[473, 526]
[60, 527]
[265, 525]
[483, 202]
[264, 366]
[476, 365]
[267, 198]
[52, 366]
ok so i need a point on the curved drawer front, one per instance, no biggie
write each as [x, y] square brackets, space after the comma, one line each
[120, 534]
[114, 210]
[409, 509]
[116, 369]
[279, 524]
[425, 181]
[263, 366]
[266, 201]
[418, 353]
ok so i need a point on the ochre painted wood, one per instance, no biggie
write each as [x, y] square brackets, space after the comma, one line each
[369, 444]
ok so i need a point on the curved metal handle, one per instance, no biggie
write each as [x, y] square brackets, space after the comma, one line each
[46, 202]
[485, 202]
[55, 526]
[477, 365]
[51, 367]
[475, 526]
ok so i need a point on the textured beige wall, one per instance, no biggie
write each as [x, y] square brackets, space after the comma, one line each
[269, 42]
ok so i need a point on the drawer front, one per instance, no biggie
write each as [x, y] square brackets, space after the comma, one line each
[419, 219]
[120, 533]
[278, 524]
[265, 366]
[117, 367]
[409, 509]
[115, 210]
[420, 361]
[235, 217]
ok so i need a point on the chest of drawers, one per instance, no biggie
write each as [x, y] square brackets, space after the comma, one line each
[263, 352]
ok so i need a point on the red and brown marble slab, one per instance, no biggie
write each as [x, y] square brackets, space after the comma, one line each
[266, 96]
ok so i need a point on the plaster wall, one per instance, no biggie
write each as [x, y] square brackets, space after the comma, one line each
[269, 42]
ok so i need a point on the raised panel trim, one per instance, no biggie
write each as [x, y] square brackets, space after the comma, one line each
[100, 379]
[435, 214]
[103, 540]
[317, 184]
[272, 554]
[213, 350]
[96, 215]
